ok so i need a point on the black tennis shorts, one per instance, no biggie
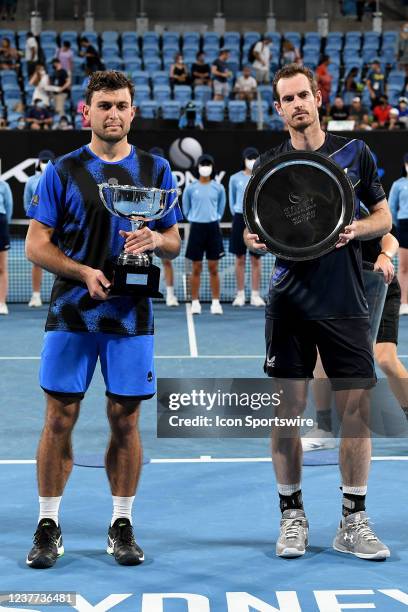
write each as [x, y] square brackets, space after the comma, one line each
[344, 345]
[402, 231]
[205, 239]
[4, 233]
[237, 245]
[388, 329]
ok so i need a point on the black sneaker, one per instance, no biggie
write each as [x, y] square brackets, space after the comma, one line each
[48, 545]
[122, 545]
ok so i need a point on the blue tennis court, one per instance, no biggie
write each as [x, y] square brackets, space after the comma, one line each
[206, 512]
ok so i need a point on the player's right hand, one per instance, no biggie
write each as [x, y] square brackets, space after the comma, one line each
[253, 243]
[97, 283]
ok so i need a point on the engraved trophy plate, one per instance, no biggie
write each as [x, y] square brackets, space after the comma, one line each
[298, 204]
[134, 274]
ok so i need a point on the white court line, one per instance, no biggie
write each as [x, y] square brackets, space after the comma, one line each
[192, 339]
[32, 358]
[204, 459]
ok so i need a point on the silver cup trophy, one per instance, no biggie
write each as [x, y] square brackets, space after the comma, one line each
[134, 274]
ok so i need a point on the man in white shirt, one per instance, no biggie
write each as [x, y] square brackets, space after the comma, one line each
[31, 53]
[245, 85]
[262, 54]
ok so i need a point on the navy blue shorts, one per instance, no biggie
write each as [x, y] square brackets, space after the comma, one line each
[402, 231]
[237, 245]
[68, 362]
[205, 239]
[4, 233]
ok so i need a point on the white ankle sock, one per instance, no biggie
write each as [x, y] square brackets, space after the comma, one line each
[122, 508]
[254, 293]
[170, 291]
[36, 294]
[354, 490]
[240, 293]
[49, 507]
[288, 489]
[215, 301]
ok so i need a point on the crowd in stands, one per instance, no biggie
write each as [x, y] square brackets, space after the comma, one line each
[202, 80]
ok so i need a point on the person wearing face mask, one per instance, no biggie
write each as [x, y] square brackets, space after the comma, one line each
[203, 206]
[29, 190]
[236, 189]
[38, 116]
[399, 208]
[41, 82]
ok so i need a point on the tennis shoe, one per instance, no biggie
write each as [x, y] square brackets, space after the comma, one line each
[48, 545]
[122, 544]
[355, 536]
[293, 537]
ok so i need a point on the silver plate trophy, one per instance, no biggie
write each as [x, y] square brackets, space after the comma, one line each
[134, 274]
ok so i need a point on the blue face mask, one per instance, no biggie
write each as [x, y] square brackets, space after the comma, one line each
[40, 105]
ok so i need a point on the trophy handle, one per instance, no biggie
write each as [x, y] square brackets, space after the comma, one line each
[136, 224]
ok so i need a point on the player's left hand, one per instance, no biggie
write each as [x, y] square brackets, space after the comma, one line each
[141, 240]
[386, 266]
[350, 233]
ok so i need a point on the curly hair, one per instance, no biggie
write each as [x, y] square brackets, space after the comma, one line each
[108, 80]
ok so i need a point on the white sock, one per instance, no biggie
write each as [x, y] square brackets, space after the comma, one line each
[170, 291]
[240, 293]
[215, 302]
[195, 302]
[288, 489]
[254, 293]
[49, 508]
[354, 490]
[36, 294]
[122, 508]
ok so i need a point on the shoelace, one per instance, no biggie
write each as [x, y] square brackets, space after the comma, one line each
[363, 528]
[126, 535]
[292, 528]
[45, 537]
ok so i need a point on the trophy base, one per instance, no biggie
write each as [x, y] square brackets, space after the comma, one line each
[137, 281]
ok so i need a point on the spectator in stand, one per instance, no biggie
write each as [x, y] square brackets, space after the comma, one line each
[290, 53]
[38, 116]
[3, 124]
[403, 47]
[6, 212]
[179, 71]
[91, 55]
[200, 70]
[245, 85]
[63, 124]
[381, 111]
[357, 111]
[324, 79]
[21, 124]
[80, 111]
[9, 56]
[66, 56]
[351, 83]
[339, 111]
[62, 81]
[31, 53]
[41, 82]
[261, 64]
[221, 74]
[29, 190]
[403, 110]
[394, 122]
[375, 81]
[366, 123]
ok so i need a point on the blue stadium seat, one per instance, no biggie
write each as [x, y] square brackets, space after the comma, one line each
[77, 94]
[390, 38]
[211, 38]
[335, 59]
[71, 36]
[388, 55]
[130, 52]
[131, 65]
[312, 38]
[8, 77]
[130, 38]
[232, 39]
[148, 109]
[311, 49]
[214, 110]
[397, 78]
[237, 111]
[182, 93]
[211, 56]
[21, 39]
[113, 63]
[189, 56]
[160, 77]
[371, 39]
[140, 77]
[48, 37]
[250, 38]
[275, 124]
[233, 66]
[91, 36]
[161, 93]
[7, 33]
[393, 95]
[355, 62]
[109, 50]
[266, 93]
[294, 37]
[350, 55]
[275, 37]
[12, 92]
[335, 37]
[210, 47]
[352, 46]
[78, 122]
[110, 35]
[151, 38]
[49, 51]
[202, 93]
[153, 64]
[235, 57]
[353, 35]
[191, 39]
[311, 60]
[171, 47]
[171, 109]
[332, 48]
[142, 92]
[254, 110]
[150, 52]
[172, 38]
[334, 69]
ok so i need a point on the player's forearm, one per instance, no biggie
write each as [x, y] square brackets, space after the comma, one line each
[377, 224]
[169, 245]
[48, 256]
[390, 245]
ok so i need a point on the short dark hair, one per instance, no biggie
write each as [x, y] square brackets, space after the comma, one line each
[291, 70]
[109, 80]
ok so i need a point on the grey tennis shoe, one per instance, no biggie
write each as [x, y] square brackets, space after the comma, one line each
[356, 537]
[293, 537]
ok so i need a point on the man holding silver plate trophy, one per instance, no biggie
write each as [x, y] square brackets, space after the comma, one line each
[97, 216]
[302, 203]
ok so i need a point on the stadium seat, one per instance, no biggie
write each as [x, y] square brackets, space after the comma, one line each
[210, 48]
[371, 39]
[368, 54]
[130, 38]
[214, 110]
[312, 38]
[160, 77]
[8, 77]
[294, 37]
[109, 35]
[21, 39]
[202, 93]
[172, 38]
[332, 48]
[150, 51]
[189, 56]
[171, 47]
[161, 93]
[311, 61]
[182, 93]
[78, 122]
[335, 37]
[152, 65]
[140, 77]
[7, 33]
[148, 109]
[388, 55]
[211, 56]
[142, 92]
[171, 109]
[275, 123]
[353, 35]
[151, 38]
[266, 93]
[49, 51]
[211, 38]
[352, 46]
[350, 55]
[110, 50]
[250, 38]
[91, 36]
[191, 39]
[48, 37]
[355, 62]
[237, 111]
[396, 78]
[254, 110]
[130, 52]
[232, 40]
[113, 63]
[132, 65]
[275, 37]
[77, 94]
[333, 69]
[390, 38]
[71, 36]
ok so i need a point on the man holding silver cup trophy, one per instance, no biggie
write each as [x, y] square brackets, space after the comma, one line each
[96, 217]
